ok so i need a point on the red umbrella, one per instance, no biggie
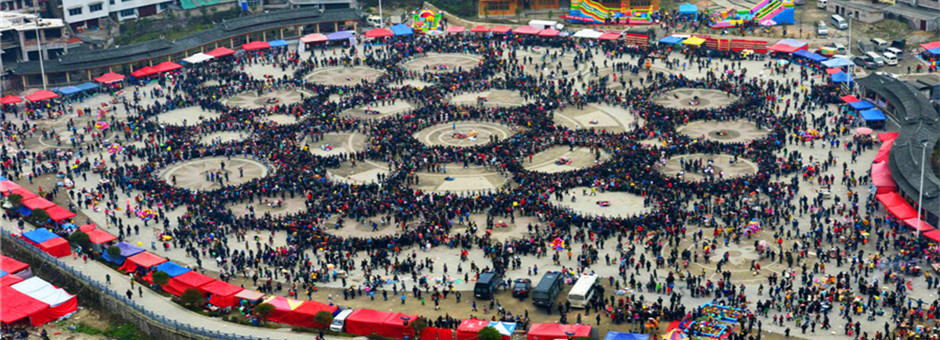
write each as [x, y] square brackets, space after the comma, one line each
[864, 131]
[11, 99]
[41, 95]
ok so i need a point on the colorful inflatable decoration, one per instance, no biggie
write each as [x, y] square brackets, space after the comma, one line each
[765, 13]
[426, 20]
[563, 161]
[102, 125]
[115, 148]
[558, 244]
[594, 12]
[146, 214]
[472, 135]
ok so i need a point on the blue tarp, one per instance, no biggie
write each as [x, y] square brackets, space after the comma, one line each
[40, 235]
[861, 105]
[934, 50]
[341, 35]
[809, 55]
[3, 178]
[3, 273]
[402, 29]
[671, 40]
[841, 77]
[127, 250]
[23, 210]
[87, 86]
[277, 43]
[504, 328]
[625, 336]
[68, 90]
[838, 62]
[872, 115]
[688, 8]
[172, 269]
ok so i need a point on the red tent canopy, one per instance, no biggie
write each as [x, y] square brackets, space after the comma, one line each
[11, 266]
[379, 33]
[885, 151]
[924, 226]
[167, 66]
[223, 293]
[303, 315]
[501, 29]
[527, 30]
[110, 78]
[191, 279]
[609, 36]
[456, 29]
[930, 45]
[549, 33]
[11, 99]
[88, 227]
[98, 236]
[57, 247]
[366, 321]
[834, 70]
[256, 45]
[8, 280]
[145, 259]
[144, 71]
[886, 136]
[41, 95]
[890, 199]
[37, 203]
[933, 235]
[6, 186]
[314, 38]
[480, 29]
[903, 211]
[221, 52]
[468, 329]
[16, 306]
[20, 191]
[881, 177]
[59, 214]
[553, 331]
[849, 98]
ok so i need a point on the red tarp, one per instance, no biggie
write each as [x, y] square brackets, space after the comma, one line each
[884, 152]
[903, 211]
[180, 283]
[501, 29]
[849, 98]
[527, 30]
[17, 306]
[366, 321]
[8, 279]
[468, 329]
[303, 315]
[99, 236]
[432, 333]
[37, 203]
[57, 247]
[256, 45]
[144, 71]
[11, 266]
[886, 136]
[933, 235]
[833, 70]
[167, 66]
[924, 226]
[890, 199]
[379, 33]
[41, 95]
[221, 52]
[223, 293]
[11, 99]
[480, 29]
[553, 331]
[881, 177]
[110, 78]
[609, 36]
[59, 214]
[144, 259]
[54, 313]
[549, 33]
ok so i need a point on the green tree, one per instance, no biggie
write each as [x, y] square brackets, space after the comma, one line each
[16, 200]
[161, 278]
[39, 216]
[192, 298]
[114, 252]
[323, 318]
[419, 325]
[81, 239]
[489, 333]
[263, 310]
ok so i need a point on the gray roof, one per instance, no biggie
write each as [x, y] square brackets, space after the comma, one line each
[157, 48]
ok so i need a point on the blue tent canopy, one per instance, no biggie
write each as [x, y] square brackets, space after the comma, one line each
[838, 62]
[504, 328]
[688, 8]
[861, 105]
[625, 336]
[277, 43]
[23, 210]
[341, 35]
[671, 40]
[3, 178]
[3, 273]
[872, 115]
[87, 86]
[402, 29]
[68, 90]
[127, 250]
[841, 77]
[809, 55]
[934, 50]
[172, 269]
[40, 235]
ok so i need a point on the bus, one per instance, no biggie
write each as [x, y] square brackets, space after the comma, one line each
[583, 291]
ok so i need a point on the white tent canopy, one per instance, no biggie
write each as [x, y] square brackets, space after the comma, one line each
[197, 58]
[43, 291]
[588, 33]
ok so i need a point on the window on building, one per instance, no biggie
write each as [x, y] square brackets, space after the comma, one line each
[163, 6]
[75, 11]
[128, 13]
[497, 6]
[547, 2]
[95, 7]
[111, 2]
[640, 3]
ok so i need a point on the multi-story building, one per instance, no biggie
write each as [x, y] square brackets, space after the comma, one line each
[21, 36]
[89, 14]
[324, 4]
[509, 7]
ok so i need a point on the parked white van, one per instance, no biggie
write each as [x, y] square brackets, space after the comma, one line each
[339, 321]
[839, 22]
[890, 58]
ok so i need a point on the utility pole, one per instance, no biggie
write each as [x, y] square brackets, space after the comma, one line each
[381, 18]
[920, 194]
[42, 65]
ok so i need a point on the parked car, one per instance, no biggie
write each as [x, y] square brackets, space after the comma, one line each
[899, 43]
[865, 46]
[521, 288]
[821, 28]
[865, 62]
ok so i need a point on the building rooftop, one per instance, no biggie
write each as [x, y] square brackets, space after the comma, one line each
[913, 12]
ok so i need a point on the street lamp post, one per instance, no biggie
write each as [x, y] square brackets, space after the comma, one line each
[920, 193]
[42, 66]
